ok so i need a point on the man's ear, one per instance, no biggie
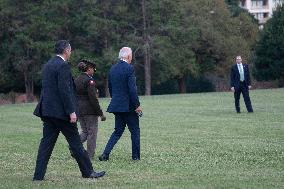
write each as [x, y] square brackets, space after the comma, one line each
[65, 51]
[128, 58]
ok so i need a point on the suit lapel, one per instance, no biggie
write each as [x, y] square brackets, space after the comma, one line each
[237, 69]
[245, 68]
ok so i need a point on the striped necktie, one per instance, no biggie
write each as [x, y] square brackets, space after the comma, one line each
[241, 71]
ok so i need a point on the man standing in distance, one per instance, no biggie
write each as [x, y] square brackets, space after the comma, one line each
[57, 109]
[124, 103]
[240, 83]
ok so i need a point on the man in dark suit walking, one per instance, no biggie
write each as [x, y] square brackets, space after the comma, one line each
[240, 83]
[57, 109]
[124, 103]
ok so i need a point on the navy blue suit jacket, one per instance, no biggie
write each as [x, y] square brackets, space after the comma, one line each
[235, 76]
[122, 88]
[57, 99]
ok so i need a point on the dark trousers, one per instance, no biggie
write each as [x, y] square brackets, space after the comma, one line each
[51, 129]
[130, 119]
[245, 91]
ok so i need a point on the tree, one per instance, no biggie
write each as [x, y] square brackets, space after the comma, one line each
[147, 58]
[198, 37]
[234, 7]
[171, 40]
[105, 26]
[25, 42]
[269, 62]
[29, 34]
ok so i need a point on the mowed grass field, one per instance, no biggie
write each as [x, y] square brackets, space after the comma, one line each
[187, 141]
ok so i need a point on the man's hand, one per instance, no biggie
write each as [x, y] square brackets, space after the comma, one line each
[138, 109]
[233, 89]
[73, 117]
[103, 118]
[249, 86]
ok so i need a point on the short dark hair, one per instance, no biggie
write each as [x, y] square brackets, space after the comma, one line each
[60, 46]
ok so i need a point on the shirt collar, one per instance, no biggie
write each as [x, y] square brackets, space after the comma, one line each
[61, 57]
[124, 60]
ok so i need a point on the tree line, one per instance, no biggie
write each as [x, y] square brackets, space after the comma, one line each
[174, 42]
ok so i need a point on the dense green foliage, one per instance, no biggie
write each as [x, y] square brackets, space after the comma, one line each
[187, 141]
[234, 7]
[269, 63]
[184, 38]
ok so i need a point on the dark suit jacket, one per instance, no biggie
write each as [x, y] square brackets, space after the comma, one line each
[87, 96]
[235, 76]
[122, 88]
[57, 98]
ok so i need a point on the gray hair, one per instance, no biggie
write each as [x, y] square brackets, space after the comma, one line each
[124, 52]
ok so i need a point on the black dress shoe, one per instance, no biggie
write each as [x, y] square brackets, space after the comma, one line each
[97, 174]
[103, 157]
[37, 180]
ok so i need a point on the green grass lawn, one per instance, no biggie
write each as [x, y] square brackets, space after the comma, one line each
[187, 141]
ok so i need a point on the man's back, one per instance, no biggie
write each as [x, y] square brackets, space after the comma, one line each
[122, 87]
[57, 94]
[124, 104]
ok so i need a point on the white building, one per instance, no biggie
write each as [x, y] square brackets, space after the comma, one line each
[261, 9]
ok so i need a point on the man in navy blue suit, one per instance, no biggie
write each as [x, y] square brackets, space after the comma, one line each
[57, 110]
[240, 83]
[124, 103]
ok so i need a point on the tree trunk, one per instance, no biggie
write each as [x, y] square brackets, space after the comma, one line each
[147, 71]
[106, 86]
[281, 82]
[182, 84]
[12, 96]
[105, 79]
[147, 58]
[29, 86]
